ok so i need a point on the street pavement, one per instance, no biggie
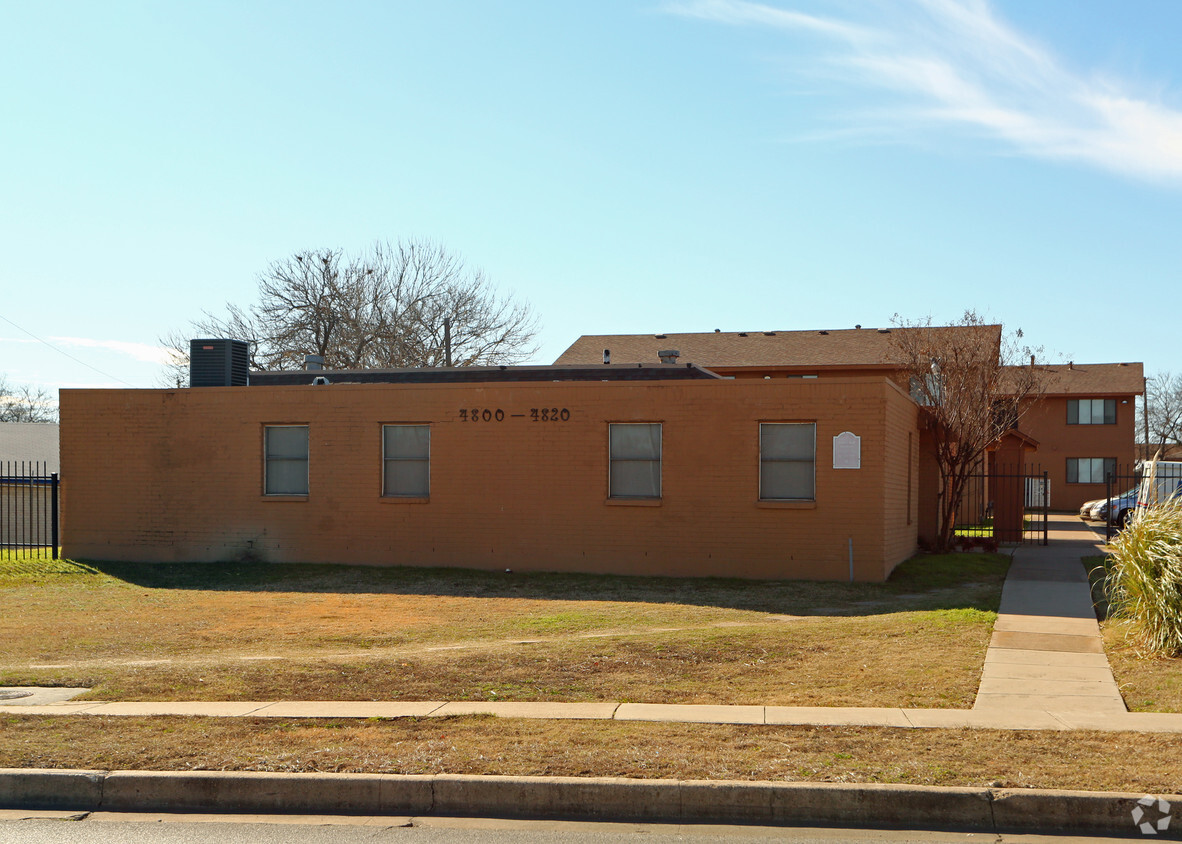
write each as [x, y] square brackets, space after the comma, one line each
[113, 828]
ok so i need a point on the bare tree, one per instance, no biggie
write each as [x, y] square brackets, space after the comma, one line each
[1161, 417]
[24, 404]
[967, 379]
[387, 308]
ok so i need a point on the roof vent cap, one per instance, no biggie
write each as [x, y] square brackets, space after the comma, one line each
[313, 363]
[320, 381]
[669, 355]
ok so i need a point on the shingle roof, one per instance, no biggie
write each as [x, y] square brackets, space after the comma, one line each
[840, 347]
[30, 442]
[1094, 379]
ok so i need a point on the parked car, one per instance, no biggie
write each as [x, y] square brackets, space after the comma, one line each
[1120, 505]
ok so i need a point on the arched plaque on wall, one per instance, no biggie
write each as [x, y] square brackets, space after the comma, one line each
[847, 451]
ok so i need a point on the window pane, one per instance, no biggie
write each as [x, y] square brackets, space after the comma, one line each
[786, 479]
[1073, 411]
[285, 470]
[287, 477]
[635, 441]
[635, 479]
[1085, 412]
[408, 478]
[288, 441]
[408, 440]
[1091, 470]
[1109, 468]
[1072, 470]
[1109, 411]
[786, 441]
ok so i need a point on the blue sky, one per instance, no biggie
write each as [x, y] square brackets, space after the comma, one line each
[622, 166]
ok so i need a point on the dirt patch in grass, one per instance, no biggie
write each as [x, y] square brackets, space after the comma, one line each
[1105, 761]
[815, 662]
[227, 632]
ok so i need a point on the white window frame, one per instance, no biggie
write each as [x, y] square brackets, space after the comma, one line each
[763, 460]
[267, 460]
[659, 460]
[387, 458]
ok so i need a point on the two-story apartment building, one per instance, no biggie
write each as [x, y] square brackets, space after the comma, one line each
[1082, 427]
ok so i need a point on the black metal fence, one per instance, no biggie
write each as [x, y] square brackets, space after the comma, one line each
[1122, 485]
[1004, 505]
[28, 510]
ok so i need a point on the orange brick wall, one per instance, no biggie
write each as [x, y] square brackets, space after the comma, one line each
[1046, 422]
[176, 475]
[901, 481]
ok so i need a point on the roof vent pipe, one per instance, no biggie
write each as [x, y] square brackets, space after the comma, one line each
[607, 356]
[313, 362]
[669, 355]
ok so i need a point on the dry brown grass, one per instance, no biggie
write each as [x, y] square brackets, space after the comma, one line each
[1078, 760]
[347, 633]
[1148, 683]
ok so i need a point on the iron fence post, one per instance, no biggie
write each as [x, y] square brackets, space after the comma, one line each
[1108, 507]
[1046, 506]
[53, 485]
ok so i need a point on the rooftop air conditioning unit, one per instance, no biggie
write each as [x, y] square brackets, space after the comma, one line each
[218, 363]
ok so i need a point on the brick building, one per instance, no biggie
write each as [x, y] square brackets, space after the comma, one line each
[1081, 428]
[659, 474]
[762, 455]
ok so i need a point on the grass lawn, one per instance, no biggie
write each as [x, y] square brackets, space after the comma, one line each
[480, 745]
[274, 632]
[1148, 684]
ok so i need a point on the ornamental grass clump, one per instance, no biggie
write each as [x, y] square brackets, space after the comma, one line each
[1144, 581]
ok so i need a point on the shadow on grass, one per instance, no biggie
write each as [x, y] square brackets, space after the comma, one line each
[943, 581]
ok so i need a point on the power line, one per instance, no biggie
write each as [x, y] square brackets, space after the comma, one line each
[65, 353]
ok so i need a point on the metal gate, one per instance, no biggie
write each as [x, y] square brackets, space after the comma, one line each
[1004, 505]
[28, 510]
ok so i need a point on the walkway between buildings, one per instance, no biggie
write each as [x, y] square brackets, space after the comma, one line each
[1046, 653]
[1045, 669]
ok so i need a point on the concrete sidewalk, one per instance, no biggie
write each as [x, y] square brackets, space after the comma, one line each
[1026, 718]
[1046, 652]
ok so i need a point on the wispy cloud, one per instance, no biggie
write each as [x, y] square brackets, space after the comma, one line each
[138, 351]
[956, 63]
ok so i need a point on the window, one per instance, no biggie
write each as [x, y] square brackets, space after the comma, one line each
[928, 392]
[285, 449]
[634, 469]
[1091, 411]
[406, 458]
[1089, 470]
[787, 460]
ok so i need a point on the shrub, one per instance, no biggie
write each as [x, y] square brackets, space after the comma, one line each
[1144, 583]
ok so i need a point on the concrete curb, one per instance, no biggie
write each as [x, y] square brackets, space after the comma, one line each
[600, 798]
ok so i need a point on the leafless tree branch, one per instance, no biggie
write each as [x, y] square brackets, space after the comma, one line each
[25, 404]
[384, 309]
[974, 383]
